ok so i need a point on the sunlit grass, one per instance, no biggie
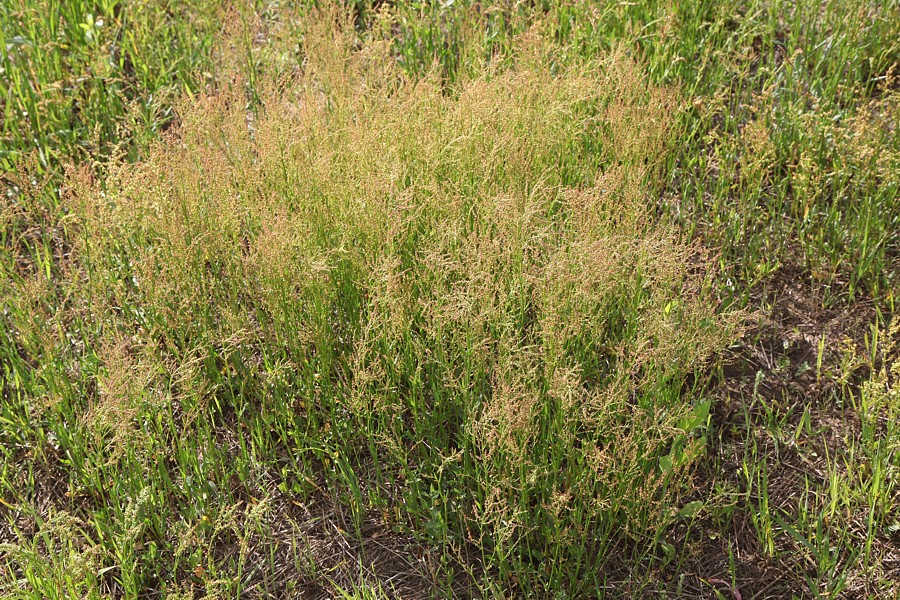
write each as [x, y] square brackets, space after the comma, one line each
[453, 283]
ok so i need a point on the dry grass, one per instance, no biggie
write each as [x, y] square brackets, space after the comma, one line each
[463, 285]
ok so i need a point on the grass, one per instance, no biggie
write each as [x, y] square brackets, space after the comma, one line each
[450, 299]
[79, 77]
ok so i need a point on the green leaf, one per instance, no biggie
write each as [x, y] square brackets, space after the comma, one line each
[690, 510]
[698, 417]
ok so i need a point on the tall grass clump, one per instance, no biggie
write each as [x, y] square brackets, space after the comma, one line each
[446, 305]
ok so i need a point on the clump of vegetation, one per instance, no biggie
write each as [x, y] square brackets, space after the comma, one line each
[447, 304]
